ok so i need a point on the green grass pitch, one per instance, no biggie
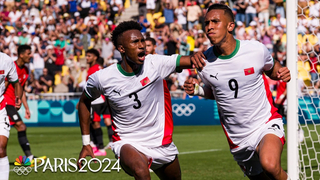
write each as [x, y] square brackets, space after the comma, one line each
[204, 153]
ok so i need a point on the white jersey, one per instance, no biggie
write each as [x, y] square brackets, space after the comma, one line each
[7, 70]
[140, 102]
[242, 95]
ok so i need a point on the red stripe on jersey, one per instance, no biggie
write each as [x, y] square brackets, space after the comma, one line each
[168, 122]
[231, 144]
[274, 110]
[115, 136]
[281, 88]
[23, 74]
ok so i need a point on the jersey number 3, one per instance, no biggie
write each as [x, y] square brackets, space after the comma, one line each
[135, 99]
[233, 85]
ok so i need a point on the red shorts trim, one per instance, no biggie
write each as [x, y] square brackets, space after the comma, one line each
[105, 116]
[283, 140]
[96, 117]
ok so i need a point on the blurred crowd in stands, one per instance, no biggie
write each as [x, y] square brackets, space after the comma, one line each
[60, 31]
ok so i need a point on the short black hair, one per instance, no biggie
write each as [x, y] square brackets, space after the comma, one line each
[23, 48]
[151, 39]
[100, 61]
[123, 27]
[94, 52]
[223, 7]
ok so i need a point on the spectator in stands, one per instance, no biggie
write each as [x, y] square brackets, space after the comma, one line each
[251, 10]
[263, 11]
[240, 8]
[45, 82]
[160, 46]
[107, 50]
[194, 12]
[4, 15]
[142, 7]
[181, 14]
[14, 16]
[280, 7]
[38, 63]
[50, 60]
[168, 11]
[144, 23]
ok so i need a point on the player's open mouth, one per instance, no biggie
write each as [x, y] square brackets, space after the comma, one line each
[142, 56]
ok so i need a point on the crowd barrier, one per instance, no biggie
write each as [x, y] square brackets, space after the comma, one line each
[185, 112]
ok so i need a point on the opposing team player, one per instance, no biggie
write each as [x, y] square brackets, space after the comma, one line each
[24, 55]
[7, 70]
[151, 46]
[140, 106]
[98, 107]
[233, 76]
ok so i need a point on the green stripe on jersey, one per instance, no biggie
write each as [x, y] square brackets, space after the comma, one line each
[178, 64]
[126, 73]
[178, 61]
[14, 81]
[85, 93]
[230, 55]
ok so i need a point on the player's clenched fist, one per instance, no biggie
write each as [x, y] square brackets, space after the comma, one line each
[189, 85]
[197, 60]
[284, 74]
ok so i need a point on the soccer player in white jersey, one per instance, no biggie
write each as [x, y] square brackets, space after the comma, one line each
[233, 76]
[140, 106]
[7, 70]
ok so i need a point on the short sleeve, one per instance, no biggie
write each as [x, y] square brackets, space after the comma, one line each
[12, 76]
[268, 59]
[165, 64]
[93, 88]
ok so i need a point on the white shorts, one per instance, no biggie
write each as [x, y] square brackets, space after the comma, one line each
[157, 156]
[151, 4]
[247, 158]
[4, 123]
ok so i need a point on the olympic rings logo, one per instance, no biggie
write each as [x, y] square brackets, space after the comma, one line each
[183, 109]
[22, 170]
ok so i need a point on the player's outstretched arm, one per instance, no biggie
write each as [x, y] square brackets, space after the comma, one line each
[191, 87]
[193, 61]
[84, 117]
[279, 73]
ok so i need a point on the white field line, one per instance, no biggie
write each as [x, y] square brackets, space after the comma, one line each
[200, 151]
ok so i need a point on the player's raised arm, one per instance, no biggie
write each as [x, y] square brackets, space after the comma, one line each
[193, 61]
[192, 87]
[279, 73]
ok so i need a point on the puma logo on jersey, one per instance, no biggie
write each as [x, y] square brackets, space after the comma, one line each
[216, 76]
[274, 127]
[118, 92]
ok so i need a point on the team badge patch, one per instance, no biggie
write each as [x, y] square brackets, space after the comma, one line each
[145, 81]
[248, 71]
[1, 71]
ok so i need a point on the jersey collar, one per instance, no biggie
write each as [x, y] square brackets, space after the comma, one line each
[230, 55]
[122, 71]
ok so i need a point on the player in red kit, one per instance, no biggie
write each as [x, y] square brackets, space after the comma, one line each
[98, 108]
[24, 55]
